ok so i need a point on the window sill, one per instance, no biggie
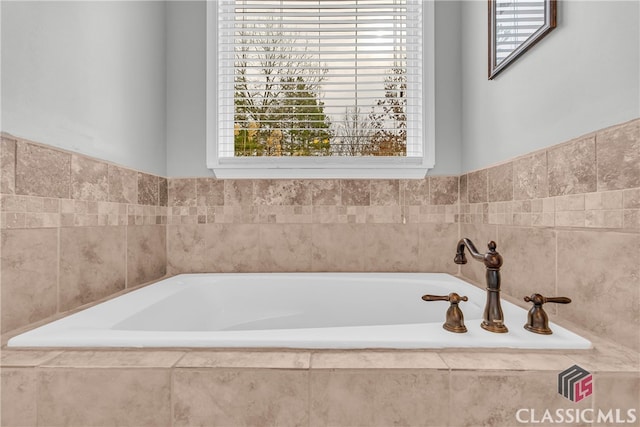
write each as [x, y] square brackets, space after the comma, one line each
[320, 168]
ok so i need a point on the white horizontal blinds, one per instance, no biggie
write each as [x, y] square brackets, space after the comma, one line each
[516, 21]
[320, 77]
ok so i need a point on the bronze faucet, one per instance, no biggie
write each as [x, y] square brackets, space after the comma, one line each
[493, 318]
[455, 319]
[537, 319]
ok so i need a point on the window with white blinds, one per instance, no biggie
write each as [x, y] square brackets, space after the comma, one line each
[320, 80]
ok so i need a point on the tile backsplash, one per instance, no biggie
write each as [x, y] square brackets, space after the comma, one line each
[566, 220]
[74, 230]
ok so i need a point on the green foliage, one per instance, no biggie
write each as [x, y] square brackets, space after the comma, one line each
[390, 124]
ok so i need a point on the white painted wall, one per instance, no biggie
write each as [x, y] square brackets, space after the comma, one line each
[186, 119]
[186, 89]
[125, 81]
[88, 77]
[583, 76]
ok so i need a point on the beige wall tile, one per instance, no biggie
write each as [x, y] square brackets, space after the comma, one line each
[355, 192]
[114, 359]
[391, 247]
[601, 274]
[163, 192]
[631, 198]
[101, 397]
[29, 276]
[248, 397]
[603, 200]
[464, 188]
[437, 248]
[285, 247]
[385, 192]
[493, 399]
[210, 192]
[530, 177]
[338, 247]
[123, 185]
[604, 219]
[574, 202]
[618, 154]
[182, 192]
[631, 219]
[379, 398]
[26, 358]
[325, 192]
[496, 361]
[12, 220]
[89, 179]
[443, 190]
[570, 219]
[42, 171]
[395, 359]
[92, 264]
[608, 358]
[282, 192]
[414, 192]
[383, 214]
[529, 262]
[329, 214]
[617, 390]
[18, 407]
[146, 253]
[186, 248]
[477, 186]
[232, 248]
[500, 182]
[572, 167]
[246, 359]
[7, 165]
[238, 192]
[147, 189]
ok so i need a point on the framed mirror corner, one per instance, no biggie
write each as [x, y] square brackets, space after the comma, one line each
[514, 27]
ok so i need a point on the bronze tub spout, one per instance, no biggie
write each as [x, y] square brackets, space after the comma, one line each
[493, 318]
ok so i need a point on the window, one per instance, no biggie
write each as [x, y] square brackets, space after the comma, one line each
[320, 88]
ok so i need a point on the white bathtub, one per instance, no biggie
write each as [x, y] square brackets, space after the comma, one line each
[294, 310]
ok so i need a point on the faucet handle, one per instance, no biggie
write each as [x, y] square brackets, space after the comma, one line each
[537, 319]
[538, 299]
[455, 319]
[453, 298]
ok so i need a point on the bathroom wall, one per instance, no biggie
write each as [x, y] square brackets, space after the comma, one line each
[87, 77]
[186, 78]
[583, 76]
[567, 222]
[73, 230]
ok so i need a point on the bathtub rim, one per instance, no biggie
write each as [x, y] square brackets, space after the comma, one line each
[511, 300]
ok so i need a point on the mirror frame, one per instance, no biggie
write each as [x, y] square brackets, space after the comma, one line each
[549, 24]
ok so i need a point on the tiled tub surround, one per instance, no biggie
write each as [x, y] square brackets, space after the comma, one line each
[311, 225]
[565, 227]
[74, 230]
[567, 222]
